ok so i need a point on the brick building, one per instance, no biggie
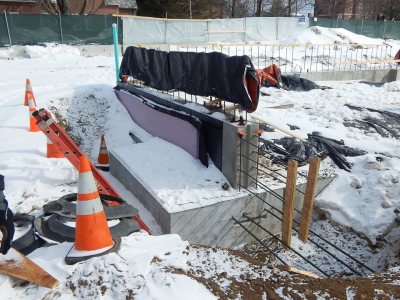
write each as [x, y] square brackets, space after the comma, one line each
[346, 9]
[70, 7]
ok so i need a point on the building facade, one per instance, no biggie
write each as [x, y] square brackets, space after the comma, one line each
[70, 7]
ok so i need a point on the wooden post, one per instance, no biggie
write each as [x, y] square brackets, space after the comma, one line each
[311, 187]
[288, 204]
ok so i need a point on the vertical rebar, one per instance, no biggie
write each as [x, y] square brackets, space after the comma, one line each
[61, 32]
[8, 29]
[240, 160]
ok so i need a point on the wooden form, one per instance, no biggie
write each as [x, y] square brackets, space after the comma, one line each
[303, 272]
[19, 266]
[288, 204]
[308, 204]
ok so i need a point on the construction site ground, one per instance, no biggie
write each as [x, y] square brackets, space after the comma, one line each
[355, 212]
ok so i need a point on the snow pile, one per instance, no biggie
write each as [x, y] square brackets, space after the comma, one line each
[324, 35]
[51, 51]
[365, 198]
[145, 267]
[393, 86]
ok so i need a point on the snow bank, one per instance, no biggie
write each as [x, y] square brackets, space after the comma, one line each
[323, 35]
[46, 51]
[51, 51]
[144, 268]
[365, 198]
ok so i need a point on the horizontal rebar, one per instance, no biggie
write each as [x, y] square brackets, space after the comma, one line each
[314, 233]
[292, 249]
[260, 241]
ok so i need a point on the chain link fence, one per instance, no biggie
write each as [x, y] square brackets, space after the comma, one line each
[26, 29]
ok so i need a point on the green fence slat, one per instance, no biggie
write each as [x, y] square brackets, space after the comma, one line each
[29, 29]
[370, 28]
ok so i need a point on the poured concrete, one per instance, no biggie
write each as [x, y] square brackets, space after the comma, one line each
[385, 75]
[211, 224]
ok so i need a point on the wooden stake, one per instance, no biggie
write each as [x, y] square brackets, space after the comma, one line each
[288, 204]
[311, 187]
[19, 266]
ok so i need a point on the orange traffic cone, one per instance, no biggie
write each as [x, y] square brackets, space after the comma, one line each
[92, 235]
[29, 93]
[53, 151]
[103, 160]
[32, 121]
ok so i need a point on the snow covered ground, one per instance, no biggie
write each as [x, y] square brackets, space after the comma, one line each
[79, 89]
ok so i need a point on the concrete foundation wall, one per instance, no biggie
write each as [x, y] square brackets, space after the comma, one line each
[232, 149]
[386, 75]
[211, 225]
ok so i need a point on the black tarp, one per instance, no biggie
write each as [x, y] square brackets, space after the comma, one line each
[232, 79]
[284, 149]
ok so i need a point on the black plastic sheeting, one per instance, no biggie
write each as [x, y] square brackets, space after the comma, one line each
[294, 83]
[232, 79]
[285, 149]
[388, 125]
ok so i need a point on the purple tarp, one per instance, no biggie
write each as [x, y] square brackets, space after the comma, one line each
[163, 125]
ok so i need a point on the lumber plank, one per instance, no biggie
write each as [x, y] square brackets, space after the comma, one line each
[303, 272]
[261, 120]
[288, 204]
[17, 265]
[282, 106]
[308, 204]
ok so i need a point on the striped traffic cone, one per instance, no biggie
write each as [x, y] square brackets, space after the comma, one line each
[29, 93]
[103, 160]
[92, 235]
[32, 121]
[53, 151]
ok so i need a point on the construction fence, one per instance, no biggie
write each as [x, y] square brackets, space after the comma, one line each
[370, 28]
[142, 30]
[25, 29]
[300, 58]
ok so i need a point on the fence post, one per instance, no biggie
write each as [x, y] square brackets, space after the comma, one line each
[362, 25]
[276, 28]
[244, 33]
[8, 29]
[165, 31]
[61, 32]
[384, 29]
[288, 204]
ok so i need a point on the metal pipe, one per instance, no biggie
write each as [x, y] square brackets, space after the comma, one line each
[61, 32]
[115, 39]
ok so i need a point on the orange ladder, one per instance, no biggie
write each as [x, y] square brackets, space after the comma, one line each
[72, 152]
